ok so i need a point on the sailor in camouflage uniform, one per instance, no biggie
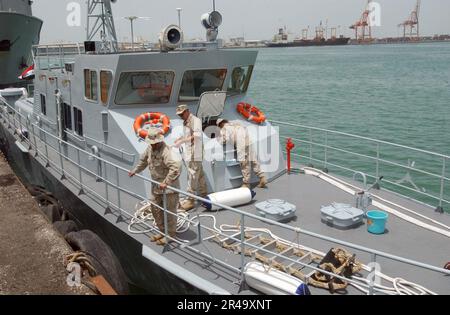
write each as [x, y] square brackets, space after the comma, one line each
[164, 169]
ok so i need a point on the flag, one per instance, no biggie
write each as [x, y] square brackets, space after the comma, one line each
[28, 73]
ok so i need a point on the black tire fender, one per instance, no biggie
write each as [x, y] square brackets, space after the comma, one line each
[65, 227]
[38, 190]
[52, 212]
[102, 257]
[46, 200]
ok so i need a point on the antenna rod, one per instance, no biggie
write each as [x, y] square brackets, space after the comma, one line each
[214, 5]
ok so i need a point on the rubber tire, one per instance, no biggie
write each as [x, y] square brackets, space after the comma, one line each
[102, 257]
[52, 212]
[38, 190]
[65, 227]
[46, 200]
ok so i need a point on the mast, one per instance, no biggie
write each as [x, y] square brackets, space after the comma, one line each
[100, 21]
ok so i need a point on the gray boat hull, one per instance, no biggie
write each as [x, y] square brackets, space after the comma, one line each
[142, 273]
[18, 33]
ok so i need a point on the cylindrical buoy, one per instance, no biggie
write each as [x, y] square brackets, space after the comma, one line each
[231, 198]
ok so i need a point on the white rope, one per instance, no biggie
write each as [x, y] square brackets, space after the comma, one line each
[399, 285]
[143, 214]
[346, 187]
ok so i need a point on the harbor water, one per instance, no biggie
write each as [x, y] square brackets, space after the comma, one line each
[396, 93]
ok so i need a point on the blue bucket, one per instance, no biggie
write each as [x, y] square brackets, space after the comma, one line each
[376, 221]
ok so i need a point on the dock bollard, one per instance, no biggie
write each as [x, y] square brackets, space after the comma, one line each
[289, 147]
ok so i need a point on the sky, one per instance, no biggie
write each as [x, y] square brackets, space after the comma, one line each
[253, 19]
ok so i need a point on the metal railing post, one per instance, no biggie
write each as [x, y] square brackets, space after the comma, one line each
[108, 208]
[440, 208]
[326, 149]
[119, 202]
[373, 274]
[242, 247]
[47, 164]
[61, 159]
[377, 171]
[80, 177]
[310, 146]
[36, 151]
[166, 219]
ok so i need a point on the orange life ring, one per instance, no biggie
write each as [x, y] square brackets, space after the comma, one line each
[151, 119]
[251, 113]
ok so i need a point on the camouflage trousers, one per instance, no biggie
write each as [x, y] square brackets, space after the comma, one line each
[249, 162]
[158, 214]
[196, 179]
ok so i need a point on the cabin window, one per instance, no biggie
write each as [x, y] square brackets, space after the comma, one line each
[145, 87]
[78, 121]
[240, 80]
[67, 116]
[43, 105]
[90, 84]
[105, 85]
[196, 82]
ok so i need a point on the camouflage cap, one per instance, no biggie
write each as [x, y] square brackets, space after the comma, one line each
[181, 109]
[154, 136]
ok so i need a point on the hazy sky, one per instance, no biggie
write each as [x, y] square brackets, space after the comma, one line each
[256, 19]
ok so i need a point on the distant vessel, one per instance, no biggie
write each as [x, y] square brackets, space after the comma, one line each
[19, 31]
[282, 39]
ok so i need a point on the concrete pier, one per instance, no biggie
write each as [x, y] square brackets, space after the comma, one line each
[31, 251]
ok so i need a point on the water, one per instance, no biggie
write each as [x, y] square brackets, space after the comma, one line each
[396, 93]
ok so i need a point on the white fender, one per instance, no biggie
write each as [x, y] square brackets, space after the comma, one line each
[272, 281]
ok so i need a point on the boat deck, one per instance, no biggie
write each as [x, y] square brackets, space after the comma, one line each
[402, 238]
[307, 192]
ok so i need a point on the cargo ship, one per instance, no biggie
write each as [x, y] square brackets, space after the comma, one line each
[282, 39]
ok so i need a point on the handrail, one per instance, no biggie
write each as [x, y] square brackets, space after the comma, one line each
[361, 137]
[438, 195]
[121, 151]
[237, 211]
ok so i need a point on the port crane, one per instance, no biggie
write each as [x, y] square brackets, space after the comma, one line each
[411, 25]
[363, 27]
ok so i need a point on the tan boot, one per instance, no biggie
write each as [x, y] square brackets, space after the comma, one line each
[262, 182]
[187, 205]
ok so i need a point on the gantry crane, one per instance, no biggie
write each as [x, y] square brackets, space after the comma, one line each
[411, 25]
[362, 27]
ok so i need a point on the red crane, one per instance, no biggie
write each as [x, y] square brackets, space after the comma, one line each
[411, 25]
[362, 27]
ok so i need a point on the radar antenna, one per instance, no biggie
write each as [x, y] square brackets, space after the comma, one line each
[100, 21]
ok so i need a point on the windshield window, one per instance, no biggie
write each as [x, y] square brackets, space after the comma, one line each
[196, 82]
[240, 80]
[145, 87]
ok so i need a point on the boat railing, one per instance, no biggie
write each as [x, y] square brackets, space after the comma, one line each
[124, 155]
[53, 156]
[345, 154]
[55, 56]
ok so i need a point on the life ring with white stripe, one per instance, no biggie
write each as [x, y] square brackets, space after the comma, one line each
[153, 119]
[251, 113]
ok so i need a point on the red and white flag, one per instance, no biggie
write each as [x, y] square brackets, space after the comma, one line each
[28, 73]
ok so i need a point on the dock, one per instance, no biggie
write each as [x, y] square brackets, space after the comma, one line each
[32, 252]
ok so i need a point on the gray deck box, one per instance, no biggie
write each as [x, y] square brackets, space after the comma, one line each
[276, 210]
[342, 216]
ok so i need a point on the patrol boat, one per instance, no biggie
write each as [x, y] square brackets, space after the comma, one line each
[19, 31]
[79, 136]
